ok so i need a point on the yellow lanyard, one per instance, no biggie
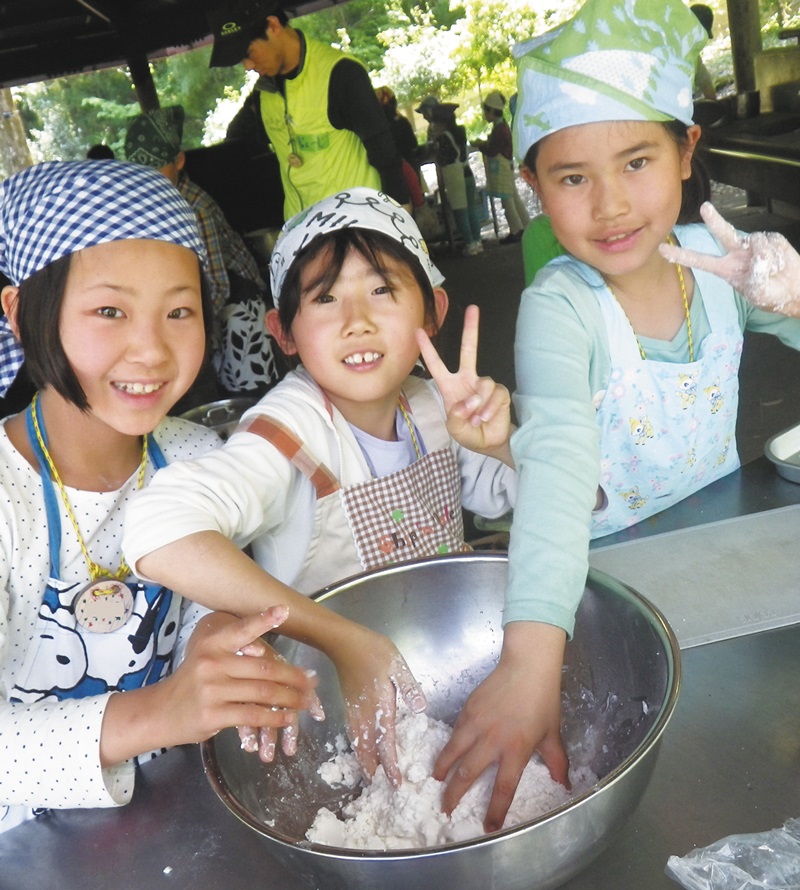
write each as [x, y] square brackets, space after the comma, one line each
[96, 571]
[411, 430]
[685, 312]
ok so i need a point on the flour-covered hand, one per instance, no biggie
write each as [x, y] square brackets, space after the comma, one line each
[762, 266]
[263, 739]
[371, 676]
[478, 409]
[512, 713]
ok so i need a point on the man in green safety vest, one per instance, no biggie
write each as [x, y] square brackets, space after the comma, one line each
[317, 105]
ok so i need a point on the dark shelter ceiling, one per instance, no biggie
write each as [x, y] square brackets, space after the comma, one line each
[43, 39]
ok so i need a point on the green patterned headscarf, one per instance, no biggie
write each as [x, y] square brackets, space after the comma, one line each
[614, 60]
[154, 138]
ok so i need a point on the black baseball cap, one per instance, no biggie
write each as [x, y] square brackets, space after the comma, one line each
[234, 26]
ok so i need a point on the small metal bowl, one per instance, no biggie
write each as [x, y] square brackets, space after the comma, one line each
[783, 449]
[620, 686]
[222, 416]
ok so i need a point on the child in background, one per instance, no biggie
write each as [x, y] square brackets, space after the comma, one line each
[626, 365]
[348, 464]
[107, 300]
[501, 181]
[449, 141]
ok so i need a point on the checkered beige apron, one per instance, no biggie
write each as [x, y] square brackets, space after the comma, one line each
[414, 512]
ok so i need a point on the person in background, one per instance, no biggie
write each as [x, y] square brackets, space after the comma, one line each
[242, 351]
[100, 670]
[626, 364]
[406, 141]
[425, 108]
[100, 152]
[318, 105]
[247, 127]
[498, 150]
[539, 245]
[351, 463]
[450, 151]
[703, 86]
[404, 136]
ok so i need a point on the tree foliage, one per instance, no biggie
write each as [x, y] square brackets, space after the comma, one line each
[63, 117]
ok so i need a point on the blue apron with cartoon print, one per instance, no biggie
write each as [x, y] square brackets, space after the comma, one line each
[63, 660]
[66, 661]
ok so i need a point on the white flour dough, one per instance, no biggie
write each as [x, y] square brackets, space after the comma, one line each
[382, 818]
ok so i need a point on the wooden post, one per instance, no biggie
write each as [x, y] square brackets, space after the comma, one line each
[142, 79]
[744, 22]
[16, 154]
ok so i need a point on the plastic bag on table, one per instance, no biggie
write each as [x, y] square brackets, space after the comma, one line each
[769, 860]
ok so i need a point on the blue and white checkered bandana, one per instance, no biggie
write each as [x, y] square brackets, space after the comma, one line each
[361, 208]
[57, 208]
[11, 356]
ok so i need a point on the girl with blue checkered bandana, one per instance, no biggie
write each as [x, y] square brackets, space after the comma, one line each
[108, 303]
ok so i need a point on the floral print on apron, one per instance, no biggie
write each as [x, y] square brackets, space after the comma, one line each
[666, 429]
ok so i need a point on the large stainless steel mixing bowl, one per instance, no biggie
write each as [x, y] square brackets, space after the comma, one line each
[620, 684]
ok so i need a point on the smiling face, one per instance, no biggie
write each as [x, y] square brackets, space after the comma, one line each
[613, 190]
[131, 327]
[357, 338]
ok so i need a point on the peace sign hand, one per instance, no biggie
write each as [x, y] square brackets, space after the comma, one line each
[478, 409]
[762, 266]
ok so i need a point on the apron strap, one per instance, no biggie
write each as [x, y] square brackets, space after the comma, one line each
[290, 446]
[50, 500]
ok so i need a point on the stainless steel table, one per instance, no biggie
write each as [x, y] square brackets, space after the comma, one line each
[729, 763]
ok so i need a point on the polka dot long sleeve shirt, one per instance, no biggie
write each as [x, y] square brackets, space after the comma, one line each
[51, 755]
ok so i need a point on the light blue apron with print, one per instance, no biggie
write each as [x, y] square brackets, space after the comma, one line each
[666, 429]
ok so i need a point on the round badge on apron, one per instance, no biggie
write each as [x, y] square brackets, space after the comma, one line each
[103, 606]
[106, 603]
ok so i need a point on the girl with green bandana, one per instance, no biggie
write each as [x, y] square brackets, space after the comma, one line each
[626, 362]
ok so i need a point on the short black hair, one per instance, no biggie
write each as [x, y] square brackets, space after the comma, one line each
[40, 298]
[100, 152]
[695, 190]
[375, 247]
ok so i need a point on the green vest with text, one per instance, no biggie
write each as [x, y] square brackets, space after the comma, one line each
[298, 128]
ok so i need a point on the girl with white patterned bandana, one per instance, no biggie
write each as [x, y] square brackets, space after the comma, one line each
[108, 302]
[351, 462]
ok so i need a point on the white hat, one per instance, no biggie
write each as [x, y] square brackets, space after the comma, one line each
[359, 208]
[495, 100]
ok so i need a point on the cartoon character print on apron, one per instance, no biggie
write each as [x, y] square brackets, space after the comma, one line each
[666, 429]
[64, 660]
[414, 512]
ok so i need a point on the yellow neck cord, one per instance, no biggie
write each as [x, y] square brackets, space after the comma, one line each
[686, 312]
[96, 571]
[410, 426]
